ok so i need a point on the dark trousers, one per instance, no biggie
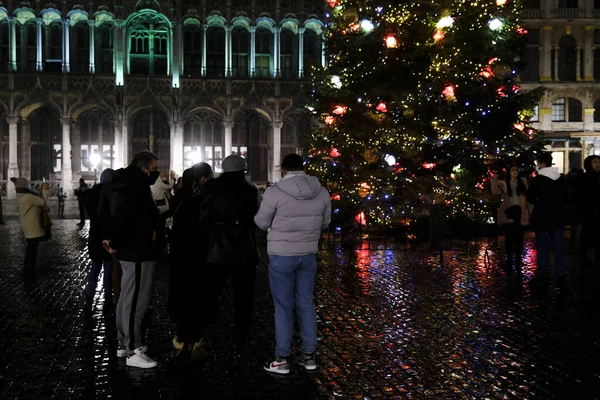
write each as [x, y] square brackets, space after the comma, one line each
[544, 240]
[61, 209]
[190, 327]
[513, 243]
[81, 211]
[31, 256]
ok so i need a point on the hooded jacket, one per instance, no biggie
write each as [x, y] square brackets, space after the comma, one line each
[92, 200]
[294, 211]
[128, 216]
[31, 206]
[548, 193]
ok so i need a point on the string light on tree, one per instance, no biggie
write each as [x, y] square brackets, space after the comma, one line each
[367, 25]
[495, 24]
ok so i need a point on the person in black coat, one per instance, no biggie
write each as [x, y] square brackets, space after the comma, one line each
[186, 263]
[587, 200]
[98, 254]
[548, 193]
[227, 225]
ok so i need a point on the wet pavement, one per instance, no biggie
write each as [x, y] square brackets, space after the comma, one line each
[392, 325]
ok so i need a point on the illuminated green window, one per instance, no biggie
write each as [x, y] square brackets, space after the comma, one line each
[149, 41]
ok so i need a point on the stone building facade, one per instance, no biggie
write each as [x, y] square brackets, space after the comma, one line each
[563, 55]
[84, 86]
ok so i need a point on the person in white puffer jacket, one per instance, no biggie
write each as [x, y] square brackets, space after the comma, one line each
[294, 211]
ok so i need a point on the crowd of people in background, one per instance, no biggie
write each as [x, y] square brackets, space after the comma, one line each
[547, 203]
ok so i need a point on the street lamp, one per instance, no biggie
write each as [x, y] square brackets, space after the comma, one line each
[95, 161]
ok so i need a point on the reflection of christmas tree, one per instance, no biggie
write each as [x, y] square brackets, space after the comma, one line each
[418, 100]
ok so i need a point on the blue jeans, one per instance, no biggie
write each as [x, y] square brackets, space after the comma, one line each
[292, 279]
[543, 240]
[93, 278]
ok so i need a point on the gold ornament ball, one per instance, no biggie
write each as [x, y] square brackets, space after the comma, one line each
[501, 71]
[350, 15]
[408, 113]
[371, 155]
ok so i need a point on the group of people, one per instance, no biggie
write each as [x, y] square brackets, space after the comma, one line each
[542, 204]
[214, 223]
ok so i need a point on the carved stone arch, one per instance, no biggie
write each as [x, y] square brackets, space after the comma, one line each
[81, 108]
[3, 13]
[77, 15]
[216, 19]
[24, 15]
[315, 25]
[28, 107]
[203, 103]
[265, 21]
[191, 20]
[103, 16]
[241, 21]
[50, 16]
[4, 109]
[148, 101]
[261, 109]
[290, 22]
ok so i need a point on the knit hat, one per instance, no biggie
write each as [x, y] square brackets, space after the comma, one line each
[21, 183]
[234, 163]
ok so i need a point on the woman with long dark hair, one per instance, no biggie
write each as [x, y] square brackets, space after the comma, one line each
[513, 214]
[186, 262]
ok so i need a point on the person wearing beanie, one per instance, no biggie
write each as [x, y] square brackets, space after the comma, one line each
[31, 207]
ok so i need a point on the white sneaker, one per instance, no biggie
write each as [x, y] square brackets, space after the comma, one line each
[140, 359]
[122, 351]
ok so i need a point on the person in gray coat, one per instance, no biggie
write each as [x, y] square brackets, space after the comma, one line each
[294, 211]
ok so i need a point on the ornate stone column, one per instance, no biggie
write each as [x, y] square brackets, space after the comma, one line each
[177, 146]
[12, 32]
[276, 162]
[546, 56]
[66, 47]
[228, 128]
[588, 119]
[578, 63]
[13, 165]
[39, 64]
[228, 50]
[92, 46]
[25, 166]
[67, 171]
[588, 54]
[252, 51]
[204, 32]
[556, 51]
[301, 52]
[276, 51]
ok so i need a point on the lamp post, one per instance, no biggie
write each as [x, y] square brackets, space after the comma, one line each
[95, 161]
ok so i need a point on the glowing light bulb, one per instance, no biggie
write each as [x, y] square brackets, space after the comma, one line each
[367, 25]
[500, 2]
[390, 160]
[336, 82]
[445, 22]
[495, 24]
[391, 41]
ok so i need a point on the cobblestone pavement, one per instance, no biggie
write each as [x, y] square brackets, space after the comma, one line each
[392, 325]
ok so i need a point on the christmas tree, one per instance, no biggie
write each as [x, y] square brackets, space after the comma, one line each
[417, 102]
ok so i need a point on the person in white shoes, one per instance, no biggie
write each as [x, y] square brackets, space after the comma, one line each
[129, 221]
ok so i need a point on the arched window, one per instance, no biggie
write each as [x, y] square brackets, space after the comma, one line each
[567, 110]
[240, 52]
[567, 59]
[312, 50]
[150, 131]
[597, 111]
[104, 49]
[4, 45]
[289, 59]
[96, 136]
[80, 47]
[203, 140]
[262, 64]
[52, 47]
[149, 36]
[26, 45]
[192, 50]
[215, 52]
[45, 130]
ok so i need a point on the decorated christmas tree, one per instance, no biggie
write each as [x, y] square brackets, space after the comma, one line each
[418, 101]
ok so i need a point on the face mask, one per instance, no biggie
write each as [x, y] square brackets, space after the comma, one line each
[153, 177]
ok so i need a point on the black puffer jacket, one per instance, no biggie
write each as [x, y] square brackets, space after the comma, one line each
[97, 251]
[229, 205]
[129, 216]
[548, 193]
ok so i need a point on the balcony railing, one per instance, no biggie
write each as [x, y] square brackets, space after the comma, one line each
[532, 14]
[568, 13]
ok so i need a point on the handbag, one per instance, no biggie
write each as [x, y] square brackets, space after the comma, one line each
[514, 213]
